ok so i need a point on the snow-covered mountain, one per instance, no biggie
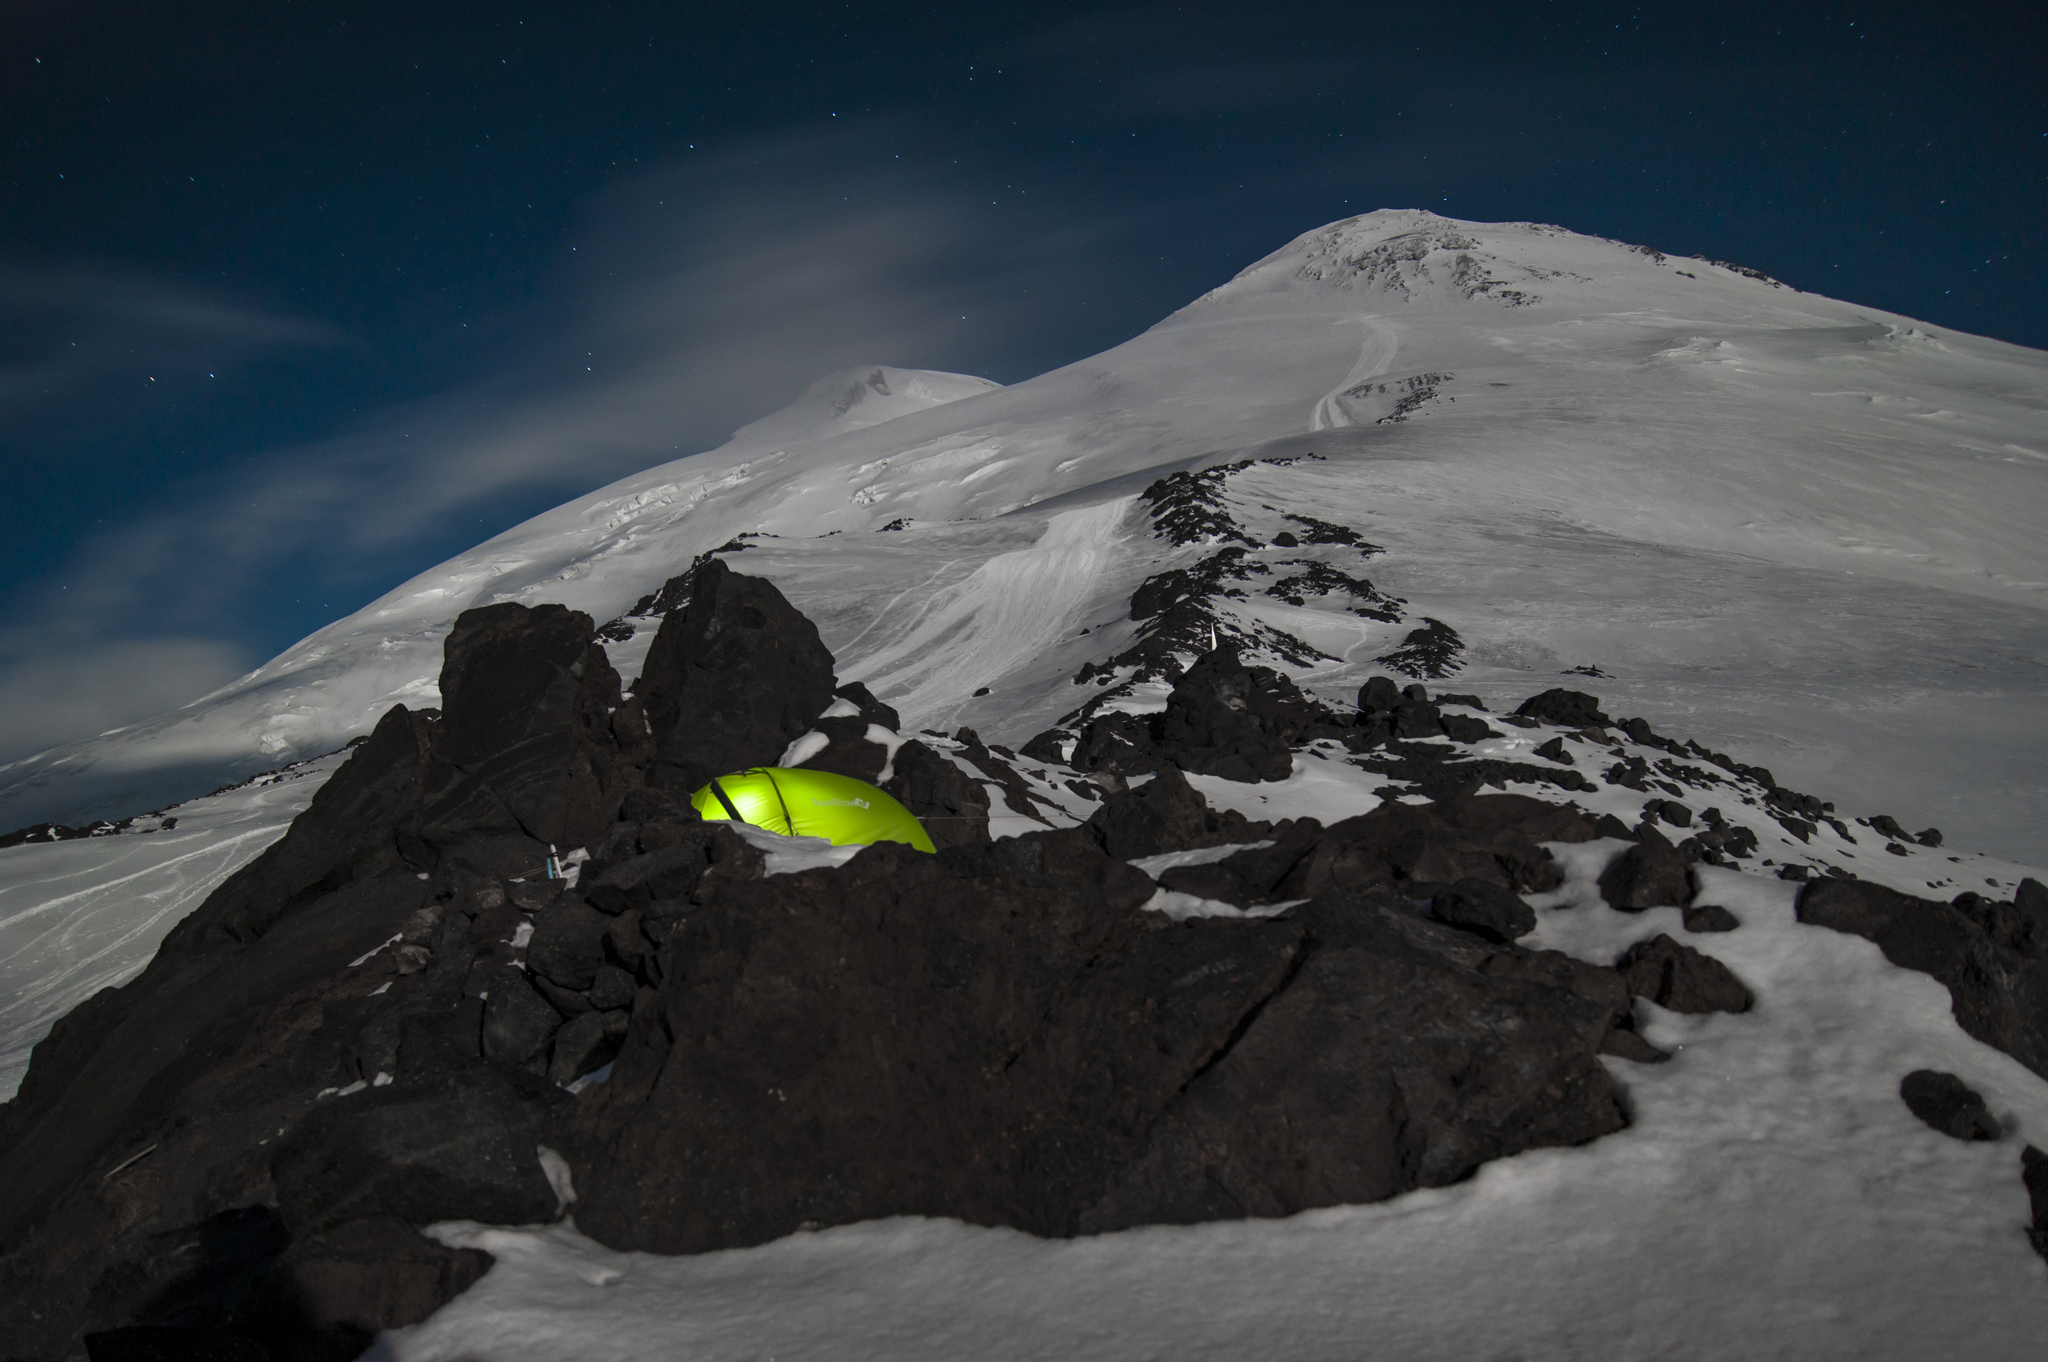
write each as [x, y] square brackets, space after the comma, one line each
[1788, 527]
[1808, 529]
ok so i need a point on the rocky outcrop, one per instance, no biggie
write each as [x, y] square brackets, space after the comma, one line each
[1650, 874]
[1222, 719]
[1074, 1063]
[1165, 814]
[358, 989]
[731, 680]
[379, 1022]
[1676, 976]
[1988, 953]
[1415, 851]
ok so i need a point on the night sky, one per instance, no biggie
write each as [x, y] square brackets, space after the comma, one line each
[301, 298]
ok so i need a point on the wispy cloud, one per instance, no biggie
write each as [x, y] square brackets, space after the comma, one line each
[692, 300]
[71, 329]
[82, 689]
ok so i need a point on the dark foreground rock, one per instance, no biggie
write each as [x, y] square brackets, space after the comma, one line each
[1676, 976]
[1948, 1104]
[1072, 1064]
[2034, 1172]
[1650, 874]
[735, 673]
[370, 1027]
[1991, 955]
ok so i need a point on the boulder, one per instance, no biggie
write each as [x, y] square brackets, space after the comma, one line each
[1710, 917]
[1948, 1104]
[871, 710]
[525, 743]
[1565, 708]
[731, 679]
[568, 945]
[585, 1043]
[1379, 695]
[517, 1022]
[2034, 1173]
[337, 1290]
[1486, 909]
[1678, 977]
[848, 750]
[1165, 814]
[1650, 874]
[1117, 744]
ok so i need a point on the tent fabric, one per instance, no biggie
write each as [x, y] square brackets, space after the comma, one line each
[804, 803]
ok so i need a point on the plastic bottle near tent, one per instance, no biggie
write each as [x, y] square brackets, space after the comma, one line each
[804, 803]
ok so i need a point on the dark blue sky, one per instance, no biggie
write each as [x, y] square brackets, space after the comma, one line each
[300, 298]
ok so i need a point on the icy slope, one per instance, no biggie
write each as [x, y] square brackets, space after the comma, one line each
[1795, 529]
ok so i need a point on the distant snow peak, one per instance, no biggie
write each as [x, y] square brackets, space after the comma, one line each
[854, 399]
[1432, 255]
[875, 382]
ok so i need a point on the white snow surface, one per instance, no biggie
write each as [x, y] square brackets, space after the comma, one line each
[79, 916]
[1795, 529]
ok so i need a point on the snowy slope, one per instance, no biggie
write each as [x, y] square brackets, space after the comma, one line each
[1795, 529]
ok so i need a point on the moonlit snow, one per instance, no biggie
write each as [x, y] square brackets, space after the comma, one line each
[1797, 530]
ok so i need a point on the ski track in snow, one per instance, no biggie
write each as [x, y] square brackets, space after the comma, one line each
[83, 915]
[999, 618]
[1375, 358]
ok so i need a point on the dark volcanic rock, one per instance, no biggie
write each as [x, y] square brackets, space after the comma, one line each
[1433, 651]
[355, 1027]
[849, 751]
[952, 805]
[1565, 708]
[1997, 979]
[871, 709]
[1948, 1104]
[1416, 850]
[1227, 719]
[1710, 917]
[1118, 744]
[2034, 1173]
[460, 1148]
[526, 741]
[1676, 976]
[1474, 905]
[346, 1285]
[1166, 814]
[1073, 1065]
[517, 1021]
[1650, 874]
[731, 680]
[568, 945]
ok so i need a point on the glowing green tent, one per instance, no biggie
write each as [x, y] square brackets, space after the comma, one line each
[803, 803]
